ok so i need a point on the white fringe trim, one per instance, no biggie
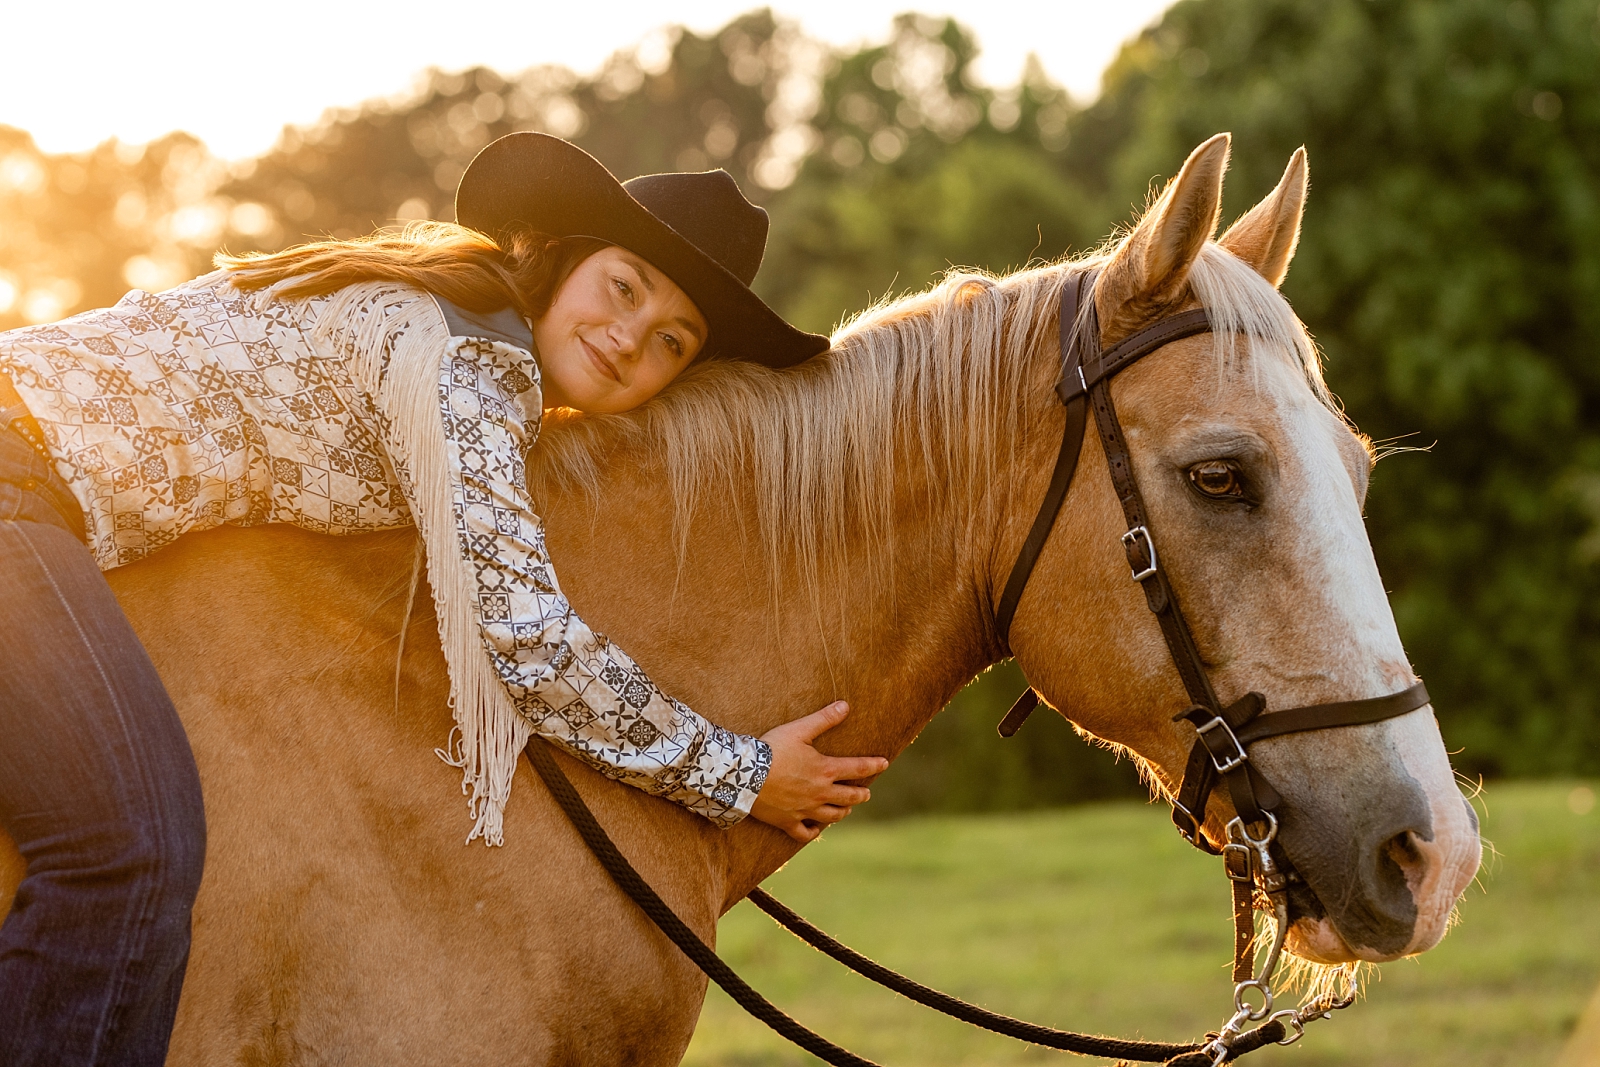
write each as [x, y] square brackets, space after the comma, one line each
[489, 734]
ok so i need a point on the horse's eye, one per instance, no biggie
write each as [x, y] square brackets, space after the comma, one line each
[1218, 478]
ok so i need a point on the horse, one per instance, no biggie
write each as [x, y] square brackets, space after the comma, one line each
[765, 542]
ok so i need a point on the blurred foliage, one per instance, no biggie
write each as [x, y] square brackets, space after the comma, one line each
[917, 168]
[960, 763]
[77, 231]
[1450, 267]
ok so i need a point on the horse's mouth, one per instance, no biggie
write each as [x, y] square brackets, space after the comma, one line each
[1304, 902]
[1312, 935]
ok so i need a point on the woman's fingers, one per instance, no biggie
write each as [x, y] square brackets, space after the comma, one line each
[846, 796]
[805, 789]
[847, 768]
[808, 728]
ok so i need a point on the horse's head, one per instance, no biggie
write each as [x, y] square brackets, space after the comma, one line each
[1254, 486]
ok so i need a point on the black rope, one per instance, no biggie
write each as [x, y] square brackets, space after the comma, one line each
[677, 931]
[1065, 1040]
[702, 955]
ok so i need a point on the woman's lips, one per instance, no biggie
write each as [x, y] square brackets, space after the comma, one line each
[600, 362]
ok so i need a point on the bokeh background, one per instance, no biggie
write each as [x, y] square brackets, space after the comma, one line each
[1449, 269]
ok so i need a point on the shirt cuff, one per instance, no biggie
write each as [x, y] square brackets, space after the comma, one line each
[724, 776]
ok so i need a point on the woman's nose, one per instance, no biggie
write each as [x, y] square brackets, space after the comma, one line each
[626, 338]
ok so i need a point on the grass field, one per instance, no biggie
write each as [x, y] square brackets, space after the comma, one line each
[1100, 918]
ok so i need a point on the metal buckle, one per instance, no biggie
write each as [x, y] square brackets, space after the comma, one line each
[1234, 762]
[1128, 541]
[1236, 862]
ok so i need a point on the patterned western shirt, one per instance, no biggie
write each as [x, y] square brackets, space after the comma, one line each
[203, 405]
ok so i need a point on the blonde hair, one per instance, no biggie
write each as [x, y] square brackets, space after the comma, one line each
[944, 376]
[461, 265]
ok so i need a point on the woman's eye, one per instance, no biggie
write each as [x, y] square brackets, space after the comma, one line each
[674, 345]
[623, 287]
[1219, 479]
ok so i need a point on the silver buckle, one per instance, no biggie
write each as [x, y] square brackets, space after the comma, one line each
[1128, 540]
[1233, 762]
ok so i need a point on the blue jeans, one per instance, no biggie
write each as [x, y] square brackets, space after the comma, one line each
[98, 789]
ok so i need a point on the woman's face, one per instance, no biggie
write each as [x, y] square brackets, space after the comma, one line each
[617, 332]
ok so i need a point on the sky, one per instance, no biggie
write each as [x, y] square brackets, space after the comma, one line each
[235, 73]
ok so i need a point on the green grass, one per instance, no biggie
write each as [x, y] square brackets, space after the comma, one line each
[1100, 918]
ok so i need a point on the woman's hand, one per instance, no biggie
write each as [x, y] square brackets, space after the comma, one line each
[802, 793]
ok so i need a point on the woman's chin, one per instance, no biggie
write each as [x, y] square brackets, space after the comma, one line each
[587, 394]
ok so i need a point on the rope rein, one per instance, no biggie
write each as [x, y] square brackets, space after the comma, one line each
[703, 956]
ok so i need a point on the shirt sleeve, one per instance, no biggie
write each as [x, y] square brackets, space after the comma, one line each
[574, 685]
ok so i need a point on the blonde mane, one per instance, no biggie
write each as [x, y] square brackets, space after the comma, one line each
[942, 378]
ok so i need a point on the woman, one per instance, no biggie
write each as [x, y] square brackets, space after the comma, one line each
[345, 387]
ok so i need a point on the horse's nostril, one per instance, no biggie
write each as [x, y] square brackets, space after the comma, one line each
[1402, 850]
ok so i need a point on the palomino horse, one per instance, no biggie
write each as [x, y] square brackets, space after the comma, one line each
[765, 542]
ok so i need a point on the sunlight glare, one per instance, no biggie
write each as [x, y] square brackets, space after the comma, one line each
[49, 300]
[153, 275]
[125, 82]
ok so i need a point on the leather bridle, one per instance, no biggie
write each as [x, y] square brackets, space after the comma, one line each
[1220, 753]
[1223, 734]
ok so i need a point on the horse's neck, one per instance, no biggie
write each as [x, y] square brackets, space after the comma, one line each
[710, 630]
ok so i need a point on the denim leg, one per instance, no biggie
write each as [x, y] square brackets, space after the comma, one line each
[99, 790]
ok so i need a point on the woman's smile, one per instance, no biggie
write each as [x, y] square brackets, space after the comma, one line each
[601, 364]
[641, 322]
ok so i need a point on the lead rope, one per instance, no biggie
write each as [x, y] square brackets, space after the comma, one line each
[703, 956]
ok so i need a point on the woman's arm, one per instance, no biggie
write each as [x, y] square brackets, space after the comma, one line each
[572, 684]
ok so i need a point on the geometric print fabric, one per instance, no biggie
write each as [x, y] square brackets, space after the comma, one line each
[201, 406]
[204, 405]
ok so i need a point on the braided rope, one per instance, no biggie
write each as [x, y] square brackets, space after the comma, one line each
[677, 931]
[1065, 1040]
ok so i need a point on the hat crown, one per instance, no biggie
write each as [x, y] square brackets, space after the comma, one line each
[707, 210]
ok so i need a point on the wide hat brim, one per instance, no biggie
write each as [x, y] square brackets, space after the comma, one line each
[532, 181]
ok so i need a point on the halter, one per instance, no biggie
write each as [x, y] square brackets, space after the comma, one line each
[1223, 735]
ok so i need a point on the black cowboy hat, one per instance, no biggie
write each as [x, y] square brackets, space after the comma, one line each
[698, 229]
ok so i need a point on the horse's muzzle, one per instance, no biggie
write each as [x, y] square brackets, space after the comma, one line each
[1383, 861]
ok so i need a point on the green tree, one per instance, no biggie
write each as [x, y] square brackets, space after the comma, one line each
[1450, 268]
[918, 168]
[389, 160]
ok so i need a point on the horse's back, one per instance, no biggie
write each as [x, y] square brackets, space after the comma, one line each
[341, 918]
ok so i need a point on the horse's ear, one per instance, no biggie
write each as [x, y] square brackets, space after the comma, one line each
[1151, 268]
[1266, 236]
